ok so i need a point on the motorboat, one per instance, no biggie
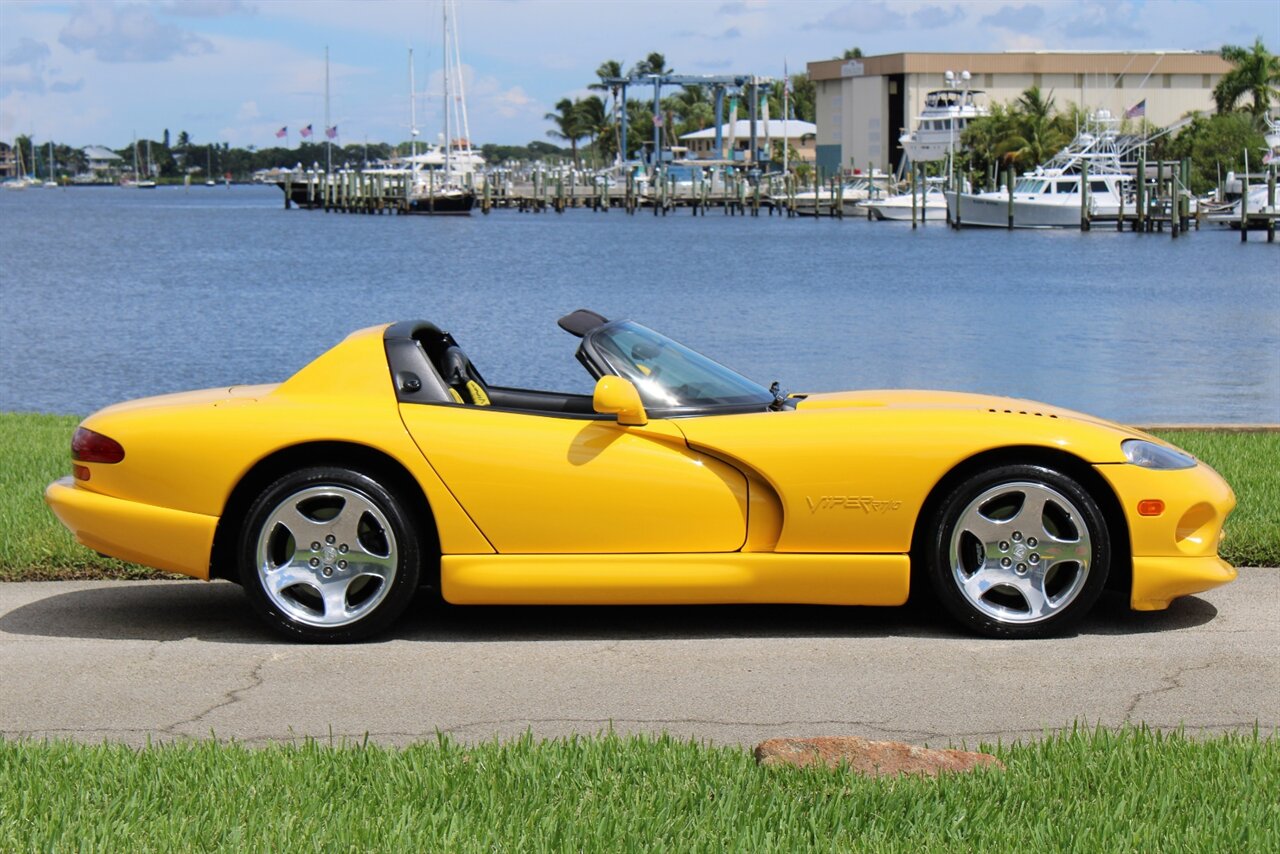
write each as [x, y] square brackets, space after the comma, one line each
[947, 112]
[929, 205]
[1229, 213]
[859, 188]
[1050, 197]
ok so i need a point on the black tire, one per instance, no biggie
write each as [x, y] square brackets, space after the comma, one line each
[329, 555]
[1020, 551]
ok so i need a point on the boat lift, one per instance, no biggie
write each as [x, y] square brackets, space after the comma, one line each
[734, 84]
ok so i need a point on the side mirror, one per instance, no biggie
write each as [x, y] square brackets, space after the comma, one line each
[616, 396]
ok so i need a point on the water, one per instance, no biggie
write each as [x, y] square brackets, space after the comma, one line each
[109, 294]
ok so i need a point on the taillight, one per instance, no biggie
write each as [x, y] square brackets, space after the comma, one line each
[90, 447]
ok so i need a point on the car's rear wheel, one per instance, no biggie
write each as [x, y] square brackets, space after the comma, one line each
[328, 554]
[1019, 551]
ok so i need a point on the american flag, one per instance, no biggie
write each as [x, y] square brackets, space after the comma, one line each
[280, 133]
[305, 132]
[331, 132]
[1137, 111]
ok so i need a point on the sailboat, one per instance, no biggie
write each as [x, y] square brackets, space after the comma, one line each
[149, 181]
[445, 185]
[208, 166]
[20, 181]
[51, 180]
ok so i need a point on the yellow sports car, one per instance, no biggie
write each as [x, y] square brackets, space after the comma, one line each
[388, 463]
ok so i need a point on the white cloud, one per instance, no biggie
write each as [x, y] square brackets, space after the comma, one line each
[863, 17]
[1018, 19]
[128, 33]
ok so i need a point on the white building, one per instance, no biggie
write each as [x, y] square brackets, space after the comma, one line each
[736, 139]
[864, 105]
[102, 162]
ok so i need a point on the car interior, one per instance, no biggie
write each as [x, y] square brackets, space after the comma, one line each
[463, 383]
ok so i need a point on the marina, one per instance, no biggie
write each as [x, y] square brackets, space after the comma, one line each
[1112, 197]
[819, 304]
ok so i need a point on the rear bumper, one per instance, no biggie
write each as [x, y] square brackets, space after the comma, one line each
[172, 540]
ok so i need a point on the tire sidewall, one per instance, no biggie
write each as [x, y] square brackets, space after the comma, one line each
[408, 547]
[948, 514]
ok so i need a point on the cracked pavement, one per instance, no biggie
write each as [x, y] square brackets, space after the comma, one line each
[172, 660]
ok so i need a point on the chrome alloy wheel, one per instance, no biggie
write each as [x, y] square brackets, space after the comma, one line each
[1020, 552]
[326, 556]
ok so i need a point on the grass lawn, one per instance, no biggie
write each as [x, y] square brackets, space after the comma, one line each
[35, 450]
[1086, 791]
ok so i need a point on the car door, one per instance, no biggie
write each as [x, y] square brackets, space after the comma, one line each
[547, 484]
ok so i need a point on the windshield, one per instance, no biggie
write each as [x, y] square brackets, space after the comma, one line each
[668, 374]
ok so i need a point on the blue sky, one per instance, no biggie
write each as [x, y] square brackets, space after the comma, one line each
[237, 70]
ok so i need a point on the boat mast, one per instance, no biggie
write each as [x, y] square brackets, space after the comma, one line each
[464, 127]
[413, 120]
[328, 141]
[447, 104]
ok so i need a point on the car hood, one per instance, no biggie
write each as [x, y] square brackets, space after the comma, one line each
[950, 401]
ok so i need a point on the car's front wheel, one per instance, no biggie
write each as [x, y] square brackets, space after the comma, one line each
[328, 554]
[1019, 551]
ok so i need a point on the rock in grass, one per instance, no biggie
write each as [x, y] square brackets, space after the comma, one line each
[870, 758]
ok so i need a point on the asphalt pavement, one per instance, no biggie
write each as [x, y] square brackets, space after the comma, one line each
[172, 660]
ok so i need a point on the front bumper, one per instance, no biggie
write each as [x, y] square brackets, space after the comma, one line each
[1157, 581]
[1175, 553]
[172, 540]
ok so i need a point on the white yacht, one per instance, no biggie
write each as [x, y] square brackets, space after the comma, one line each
[947, 112]
[1049, 197]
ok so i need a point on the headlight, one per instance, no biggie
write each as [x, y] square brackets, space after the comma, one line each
[1149, 455]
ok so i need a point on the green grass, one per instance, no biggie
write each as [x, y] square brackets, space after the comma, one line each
[1086, 791]
[35, 546]
[36, 449]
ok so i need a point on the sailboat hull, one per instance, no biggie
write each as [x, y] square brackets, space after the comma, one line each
[444, 204]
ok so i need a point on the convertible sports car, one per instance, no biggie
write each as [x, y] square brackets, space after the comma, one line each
[388, 463]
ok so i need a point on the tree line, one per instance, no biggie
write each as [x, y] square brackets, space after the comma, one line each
[598, 118]
[172, 161]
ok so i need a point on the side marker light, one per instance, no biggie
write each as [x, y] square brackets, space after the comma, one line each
[1150, 507]
[80, 472]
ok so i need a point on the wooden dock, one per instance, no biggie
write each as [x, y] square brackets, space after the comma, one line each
[377, 193]
[1160, 206]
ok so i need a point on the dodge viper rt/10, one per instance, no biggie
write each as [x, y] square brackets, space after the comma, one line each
[389, 463]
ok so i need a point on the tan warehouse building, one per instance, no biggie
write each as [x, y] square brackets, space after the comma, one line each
[864, 105]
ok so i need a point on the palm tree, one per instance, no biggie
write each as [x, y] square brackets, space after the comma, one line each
[693, 108]
[654, 63]
[568, 125]
[1036, 135]
[610, 69]
[593, 121]
[1256, 74]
